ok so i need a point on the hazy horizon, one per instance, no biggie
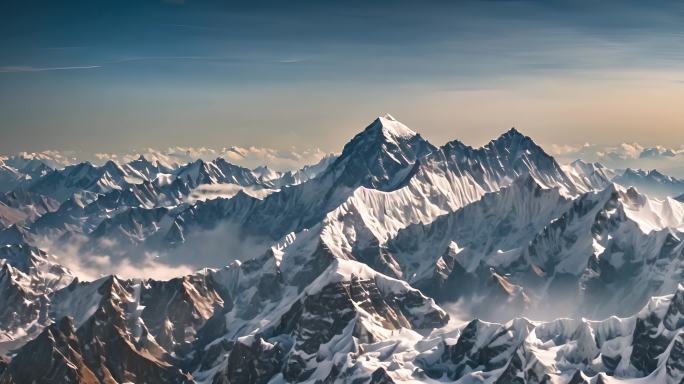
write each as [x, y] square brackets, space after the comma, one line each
[618, 156]
[114, 76]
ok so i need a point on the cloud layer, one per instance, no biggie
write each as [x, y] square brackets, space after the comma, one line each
[626, 155]
[249, 157]
[669, 160]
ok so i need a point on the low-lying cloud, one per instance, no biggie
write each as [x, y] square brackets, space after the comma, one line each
[90, 259]
[626, 155]
[89, 266]
[206, 192]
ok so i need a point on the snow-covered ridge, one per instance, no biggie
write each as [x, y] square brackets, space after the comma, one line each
[350, 270]
[173, 157]
[349, 323]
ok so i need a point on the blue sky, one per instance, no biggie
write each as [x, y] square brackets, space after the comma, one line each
[115, 75]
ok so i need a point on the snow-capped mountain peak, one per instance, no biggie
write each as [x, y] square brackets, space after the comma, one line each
[392, 127]
[383, 154]
[346, 269]
[515, 142]
[653, 182]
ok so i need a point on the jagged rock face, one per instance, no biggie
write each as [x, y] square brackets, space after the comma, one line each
[283, 179]
[501, 161]
[39, 270]
[674, 367]
[321, 325]
[626, 256]
[489, 346]
[129, 351]
[589, 176]
[123, 189]
[317, 327]
[149, 169]
[648, 344]
[130, 227]
[111, 340]
[524, 367]
[174, 310]
[108, 357]
[384, 149]
[27, 276]
[16, 173]
[58, 354]
[19, 307]
[680, 198]
[565, 350]
[61, 184]
[86, 215]
[215, 172]
[256, 363]
[109, 336]
[651, 182]
[367, 225]
[10, 178]
[526, 249]
[15, 235]
[381, 157]
[500, 223]
[126, 359]
[31, 205]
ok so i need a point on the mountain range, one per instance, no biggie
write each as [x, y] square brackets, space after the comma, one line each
[392, 261]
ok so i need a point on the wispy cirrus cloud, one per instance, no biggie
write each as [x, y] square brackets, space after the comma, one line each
[22, 68]
[30, 68]
[134, 59]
